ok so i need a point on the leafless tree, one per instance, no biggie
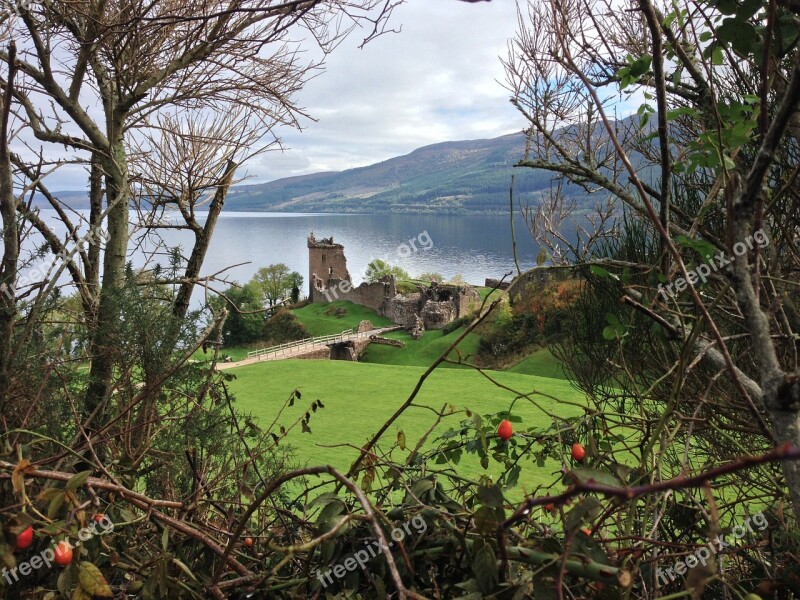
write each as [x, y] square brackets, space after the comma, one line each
[103, 79]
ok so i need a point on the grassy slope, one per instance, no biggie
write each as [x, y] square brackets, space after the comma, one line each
[541, 363]
[319, 319]
[360, 397]
[485, 292]
[422, 352]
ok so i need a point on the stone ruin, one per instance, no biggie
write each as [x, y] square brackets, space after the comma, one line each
[326, 263]
[431, 307]
[434, 305]
[416, 328]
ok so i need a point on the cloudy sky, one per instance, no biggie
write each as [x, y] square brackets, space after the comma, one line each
[439, 79]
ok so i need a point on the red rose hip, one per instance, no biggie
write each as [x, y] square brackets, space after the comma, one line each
[504, 431]
[24, 539]
[63, 553]
[578, 452]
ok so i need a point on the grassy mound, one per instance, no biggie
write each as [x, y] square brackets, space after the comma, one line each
[541, 363]
[422, 352]
[327, 319]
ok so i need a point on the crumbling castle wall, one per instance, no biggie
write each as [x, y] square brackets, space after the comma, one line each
[436, 305]
[373, 295]
[435, 315]
[404, 309]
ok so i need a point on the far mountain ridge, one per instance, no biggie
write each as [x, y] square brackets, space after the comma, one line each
[468, 176]
[452, 177]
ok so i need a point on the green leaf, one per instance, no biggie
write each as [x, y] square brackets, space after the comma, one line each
[541, 258]
[487, 519]
[125, 515]
[66, 580]
[583, 511]
[56, 502]
[588, 546]
[422, 486]
[747, 9]
[484, 565]
[513, 477]
[586, 475]
[726, 7]
[327, 519]
[491, 496]
[182, 566]
[323, 499]
[80, 594]
[739, 34]
[93, 582]
[703, 247]
[641, 66]
[77, 480]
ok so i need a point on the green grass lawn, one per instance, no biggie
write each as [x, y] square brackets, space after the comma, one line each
[422, 352]
[485, 292]
[320, 319]
[234, 353]
[359, 397]
[541, 363]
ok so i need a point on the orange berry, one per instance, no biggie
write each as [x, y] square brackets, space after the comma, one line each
[63, 553]
[578, 452]
[248, 541]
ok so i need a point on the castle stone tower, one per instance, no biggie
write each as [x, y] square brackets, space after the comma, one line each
[326, 261]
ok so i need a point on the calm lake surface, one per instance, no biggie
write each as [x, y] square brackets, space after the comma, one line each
[475, 247]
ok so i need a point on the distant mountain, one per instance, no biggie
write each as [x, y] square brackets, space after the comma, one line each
[451, 177]
[463, 177]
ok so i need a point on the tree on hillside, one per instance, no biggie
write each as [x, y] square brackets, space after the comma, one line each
[278, 283]
[379, 268]
[245, 323]
[296, 282]
[437, 277]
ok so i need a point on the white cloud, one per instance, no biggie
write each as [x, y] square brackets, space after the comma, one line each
[439, 79]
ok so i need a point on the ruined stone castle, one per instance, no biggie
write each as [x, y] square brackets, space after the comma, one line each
[435, 305]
